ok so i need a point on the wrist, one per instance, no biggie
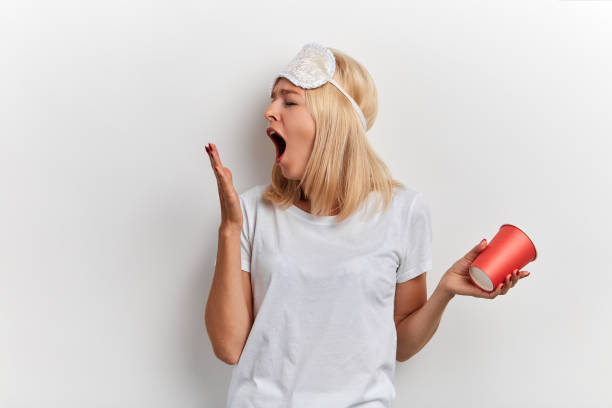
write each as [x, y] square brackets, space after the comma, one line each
[229, 231]
[444, 292]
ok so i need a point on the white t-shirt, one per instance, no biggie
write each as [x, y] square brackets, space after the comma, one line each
[323, 295]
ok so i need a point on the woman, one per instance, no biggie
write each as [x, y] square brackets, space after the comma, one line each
[338, 291]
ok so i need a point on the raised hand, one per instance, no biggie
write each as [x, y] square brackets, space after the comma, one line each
[231, 212]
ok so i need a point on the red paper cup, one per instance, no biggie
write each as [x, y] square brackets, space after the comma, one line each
[509, 249]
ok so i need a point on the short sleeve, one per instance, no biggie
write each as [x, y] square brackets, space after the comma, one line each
[245, 234]
[416, 256]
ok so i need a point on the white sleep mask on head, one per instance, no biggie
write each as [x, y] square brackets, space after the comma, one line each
[312, 67]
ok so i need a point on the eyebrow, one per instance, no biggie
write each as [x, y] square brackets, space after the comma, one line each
[284, 92]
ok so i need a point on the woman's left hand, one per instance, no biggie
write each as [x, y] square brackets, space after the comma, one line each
[457, 281]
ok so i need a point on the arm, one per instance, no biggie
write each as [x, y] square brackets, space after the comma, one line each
[417, 322]
[416, 329]
[229, 310]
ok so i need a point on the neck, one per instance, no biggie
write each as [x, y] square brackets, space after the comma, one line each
[305, 205]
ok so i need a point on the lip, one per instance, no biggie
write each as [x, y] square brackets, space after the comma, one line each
[270, 129]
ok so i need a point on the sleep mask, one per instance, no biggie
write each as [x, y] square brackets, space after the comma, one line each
[311, 68]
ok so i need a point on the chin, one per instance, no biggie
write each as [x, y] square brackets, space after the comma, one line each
[294, 178]
[288, 176]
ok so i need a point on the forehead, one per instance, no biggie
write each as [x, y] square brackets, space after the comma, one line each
[284, 87]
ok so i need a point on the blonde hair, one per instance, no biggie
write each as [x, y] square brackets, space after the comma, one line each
[343, 168]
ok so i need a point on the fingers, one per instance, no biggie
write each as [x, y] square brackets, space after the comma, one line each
[510, 281]
[230, 205]
[496, 292]
[216, 161]
[213, 163]
[223, 173]
[215, 155]
[473, 253]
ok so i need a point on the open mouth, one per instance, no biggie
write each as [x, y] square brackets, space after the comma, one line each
[280, 144]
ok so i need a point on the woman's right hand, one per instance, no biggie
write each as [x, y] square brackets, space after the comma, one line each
[231, 212]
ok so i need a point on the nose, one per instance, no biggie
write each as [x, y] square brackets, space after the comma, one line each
[269, 113]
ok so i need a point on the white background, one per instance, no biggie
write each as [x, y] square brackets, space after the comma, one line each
[498, 111]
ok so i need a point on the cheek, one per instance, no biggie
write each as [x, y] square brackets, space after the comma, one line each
[307, 131]
[300, 133]
[310, 127]
[303, 143]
